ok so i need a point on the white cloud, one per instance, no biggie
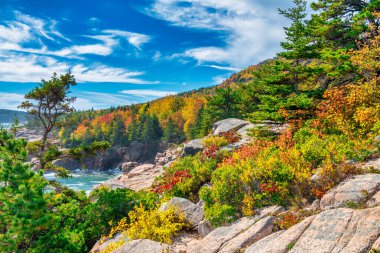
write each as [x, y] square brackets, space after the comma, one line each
[100, 100]
[219, 79]
[102, 73]
[222, 68]
[252, 29]
[135, 39]
[31, 68]
[10, 100]
[157, 56]
[39, 26]
[24, 57]
[148, 92]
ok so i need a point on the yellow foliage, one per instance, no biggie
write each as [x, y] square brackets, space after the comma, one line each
[216, 141]
[155, 225]
[112, 247]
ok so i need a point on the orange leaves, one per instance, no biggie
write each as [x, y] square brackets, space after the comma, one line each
[350, 109]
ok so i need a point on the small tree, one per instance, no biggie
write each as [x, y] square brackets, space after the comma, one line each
[15, 127]
[47, 102]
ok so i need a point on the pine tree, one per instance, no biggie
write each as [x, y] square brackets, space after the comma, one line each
[171, 132]
[224, 103]
[299, 46]
[118, 133]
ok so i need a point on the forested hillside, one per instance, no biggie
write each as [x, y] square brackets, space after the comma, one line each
[8, 116]
[323, 89]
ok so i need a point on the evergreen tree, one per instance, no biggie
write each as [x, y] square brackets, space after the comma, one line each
[171, 132]
[224, 103]
[118, 134]
[202, 124]
[299, 46]
[133, 131]
[151, 130]
[23, 213]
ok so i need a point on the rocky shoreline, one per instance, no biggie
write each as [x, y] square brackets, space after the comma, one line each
[331, 227]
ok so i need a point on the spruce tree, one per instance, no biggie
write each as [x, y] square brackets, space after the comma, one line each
[224, 103]
[299, 46]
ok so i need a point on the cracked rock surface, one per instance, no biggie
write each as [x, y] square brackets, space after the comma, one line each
[338, 230]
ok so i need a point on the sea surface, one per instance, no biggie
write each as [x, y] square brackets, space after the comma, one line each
[5, 125]
[84, 179]
[81, 179]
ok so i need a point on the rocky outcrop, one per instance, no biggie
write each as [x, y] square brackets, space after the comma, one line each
[374, 201]
[376, 246]
[338, 230]
[280, 241]
[192, 147]
[113, 157]
[227, 125]
[372, 164]
[123, 244]
[128, 166]
[142, 246]
[167, 156]
[204, 228]
[241, 127]
[137, 179]
[103, 244]
[240, 234]
[192, 213]
[229, 239]
[357, 189]
[30, 134]
[104, 160]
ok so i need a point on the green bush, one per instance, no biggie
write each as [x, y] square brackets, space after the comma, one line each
[186, 176]
[216, 141]
[218, 214]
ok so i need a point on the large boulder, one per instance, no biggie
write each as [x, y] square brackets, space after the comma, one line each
[374, 201]
[229, 239]
[192, 147]
[240, 234]
[280, 242]
[373, 164]
[376, 246]
[121, 244]
[358, 189]
[128, 166]
[104, 243]
[340, 230]
[228, 125]
[204, 228]
[67, 163]
[136, 151]
[192, 212]
[142, 246]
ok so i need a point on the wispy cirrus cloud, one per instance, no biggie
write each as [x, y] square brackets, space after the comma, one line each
[148, 93]
[251, 29]
[135, 39]
[10, 100]
[222, 67]
[31, 68]
[25, 57]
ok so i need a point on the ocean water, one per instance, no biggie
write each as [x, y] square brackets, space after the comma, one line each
[5, 125]
[84, 179]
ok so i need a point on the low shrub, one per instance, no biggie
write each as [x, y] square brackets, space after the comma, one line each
[185, 177]
[215, 141]
[156, 225]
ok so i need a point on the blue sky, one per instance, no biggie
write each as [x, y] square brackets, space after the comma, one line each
[123, 52]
